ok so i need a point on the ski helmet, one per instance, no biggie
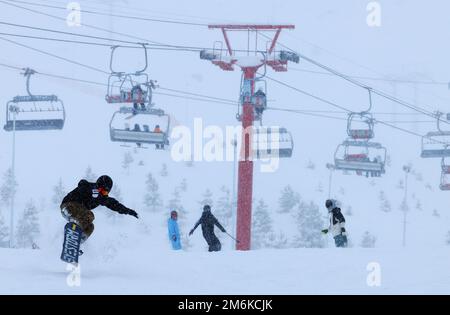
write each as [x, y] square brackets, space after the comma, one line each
[330, 204]
[105, 182]
[207, 208]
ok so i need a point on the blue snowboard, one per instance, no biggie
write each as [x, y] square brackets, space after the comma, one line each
[72, 241]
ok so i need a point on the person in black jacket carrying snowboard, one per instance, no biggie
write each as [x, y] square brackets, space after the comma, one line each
[77, 205]
[208, 220]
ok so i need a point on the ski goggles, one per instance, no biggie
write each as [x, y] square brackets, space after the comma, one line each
[103, 192]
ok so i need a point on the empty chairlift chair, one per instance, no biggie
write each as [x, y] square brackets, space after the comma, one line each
[34, 112]
[434, 143]
[272, 142]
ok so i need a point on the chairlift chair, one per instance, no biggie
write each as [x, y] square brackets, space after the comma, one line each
[445, 175]
[445, 166]
[445, 181]
[34, 112]
[129, 125]
[129, 87]
[364, 160]
[215, 55]
[435, 143]
[272, 142]
[360, 126]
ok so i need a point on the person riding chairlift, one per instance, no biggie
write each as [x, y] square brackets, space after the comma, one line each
[261, 104]
[158, 130]
[136, 127]
[137, 95]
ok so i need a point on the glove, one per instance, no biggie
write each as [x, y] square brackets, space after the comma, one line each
[224, 231]
[325, 231]
[343, 231]
[133, 213]
[191, 232]
[174, 237]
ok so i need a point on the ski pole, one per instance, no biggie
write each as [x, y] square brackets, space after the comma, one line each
[237, 241]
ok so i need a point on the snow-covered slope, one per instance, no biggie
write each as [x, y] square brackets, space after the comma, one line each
[301, 271]
[399, 50]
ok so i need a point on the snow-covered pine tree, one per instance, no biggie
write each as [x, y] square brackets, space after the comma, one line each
[126, 161]
[419, 176]
[207, 199]
[8, 188]
[388, 160]
[385, 205]
[419, 205]
[261, 226]
[288, 200]
[278, 240]
[28, 227]
[404, 206]
[309, 225]
[164, 172]
[4, 232]
[310, 165]
[89, 175]
[319, 187]
[368, 240]
[59, 192]
[223, 209]
[436, 213]
[152, 198]
[183, 185]
[176, 204]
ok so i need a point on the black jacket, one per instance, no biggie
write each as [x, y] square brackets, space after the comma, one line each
[208, 220]
[337, 222]
[337, 216]
[87, 194]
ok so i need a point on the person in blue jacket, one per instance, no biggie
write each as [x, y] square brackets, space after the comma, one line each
[174, 232]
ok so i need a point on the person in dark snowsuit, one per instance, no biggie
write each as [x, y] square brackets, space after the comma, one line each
[262, 104]
[208, 220]
[337, 224]
[77, 205]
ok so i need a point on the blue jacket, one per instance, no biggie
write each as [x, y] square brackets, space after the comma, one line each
[174, 232]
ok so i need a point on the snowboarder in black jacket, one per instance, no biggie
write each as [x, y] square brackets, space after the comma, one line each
[208, 220]
[77, 205]
[337, 224]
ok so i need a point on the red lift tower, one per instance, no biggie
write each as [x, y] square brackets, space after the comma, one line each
[249, 63]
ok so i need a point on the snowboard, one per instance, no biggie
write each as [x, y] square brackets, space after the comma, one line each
[72, 241]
